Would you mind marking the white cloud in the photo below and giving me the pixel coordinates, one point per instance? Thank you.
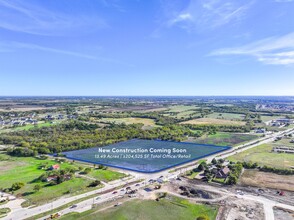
(206, 14)
(274, 50)
(180, 18)
(23, 17)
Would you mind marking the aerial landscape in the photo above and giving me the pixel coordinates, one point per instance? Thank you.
(146, 110)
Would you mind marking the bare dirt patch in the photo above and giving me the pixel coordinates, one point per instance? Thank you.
(267, 180)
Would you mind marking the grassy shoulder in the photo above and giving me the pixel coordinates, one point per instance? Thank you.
(264, 156)
(169, 208)
(4, 212)
(27, 170)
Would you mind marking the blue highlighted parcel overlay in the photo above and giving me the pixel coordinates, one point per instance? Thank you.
(147, 156)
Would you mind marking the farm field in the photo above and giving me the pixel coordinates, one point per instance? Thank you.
(26, 170)
(225, 139)
(172, 209)
(145, 121)
(262, 155)
(213, 121)
(268, 180)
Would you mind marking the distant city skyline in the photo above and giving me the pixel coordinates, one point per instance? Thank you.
(147, 48)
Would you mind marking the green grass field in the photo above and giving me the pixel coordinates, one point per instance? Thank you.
(28, 127)
(262, 155)
(26, 170)
(105, 175)
(173, 208)
(225, 139)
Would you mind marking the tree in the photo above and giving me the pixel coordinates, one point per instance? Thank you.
(16, 186)
(232, 180)
(202, 166)
(95, 183)
(37, 187)
(214, 161)
(87, 170)
(100, 166)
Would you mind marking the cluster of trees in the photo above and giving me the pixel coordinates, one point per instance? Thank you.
(60, 175)
(249, 165)
(79, 135)
(21, 152)
(253, 116)
(236, 170)
(276, 170)
(16, 186)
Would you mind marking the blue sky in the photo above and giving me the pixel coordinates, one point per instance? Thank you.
(152, 47)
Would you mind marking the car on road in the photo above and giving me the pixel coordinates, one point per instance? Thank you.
(98, 198)
(137, 184)
(114, 192)
(73, 206)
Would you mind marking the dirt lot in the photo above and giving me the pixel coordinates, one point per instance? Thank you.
(283, 214)
(267, 180)
(231, 208)
(213, 121)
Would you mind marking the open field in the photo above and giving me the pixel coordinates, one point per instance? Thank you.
(225, 139)
(213, 121)
(105, 175)
(266, 118)
(40, 125)
(181, 108)
(267, 180)
(26, 170)
(145, 121)
(226, 116)
(153, 110)
(172, 209)
(262, 155)
(181, 111)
